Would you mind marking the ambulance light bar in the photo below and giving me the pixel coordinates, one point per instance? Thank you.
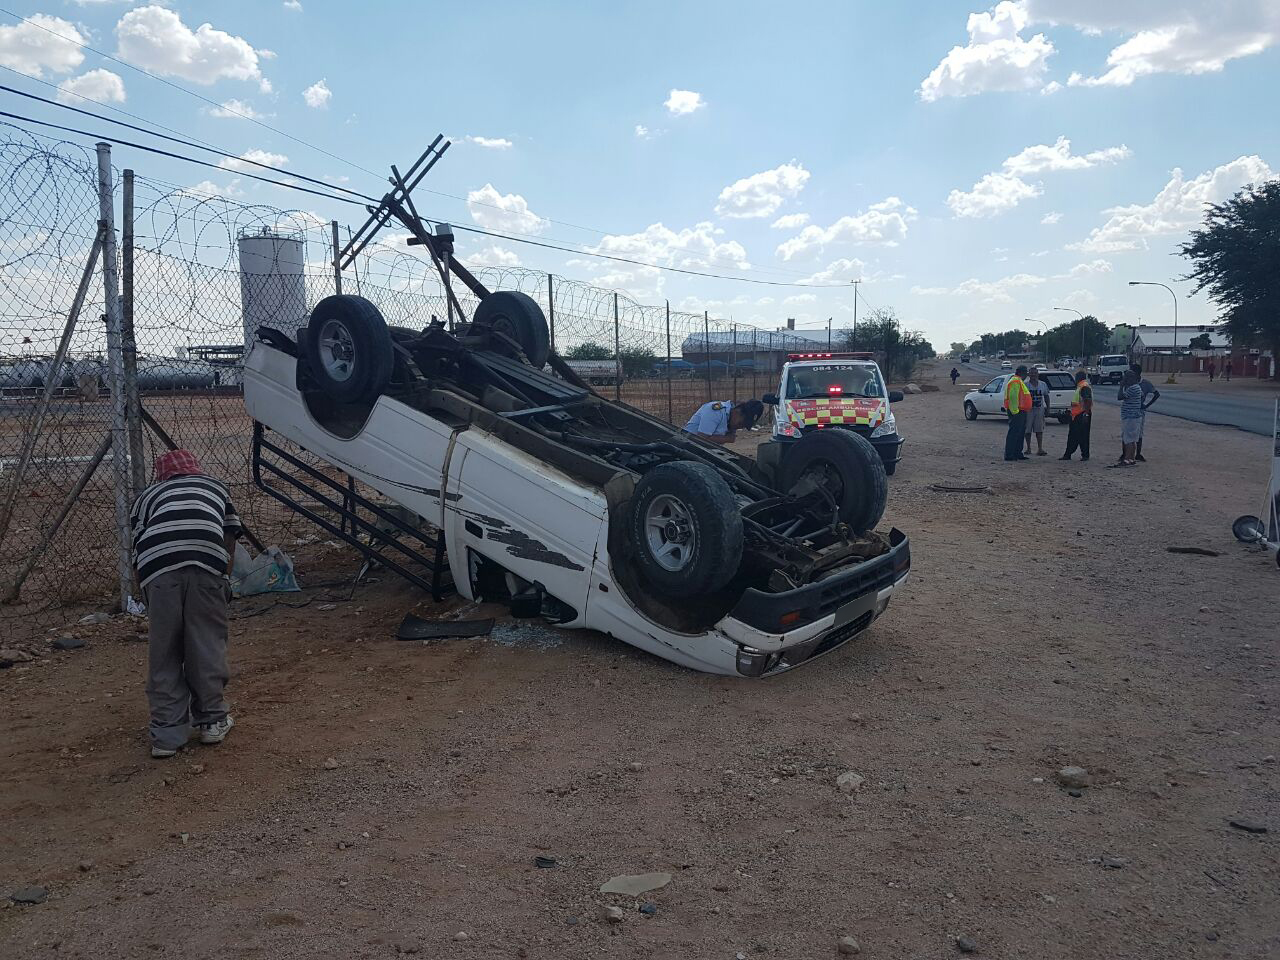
(830, 356)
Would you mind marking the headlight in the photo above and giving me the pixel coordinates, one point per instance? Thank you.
(887, 427)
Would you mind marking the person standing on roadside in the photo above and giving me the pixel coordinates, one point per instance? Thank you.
(1212, 368)
(1226, 371)
(1017, 404)
(1081, 418)
(955, 375)
(1130, 419)
(1035, 416)
(1149, 396)
(184, 534)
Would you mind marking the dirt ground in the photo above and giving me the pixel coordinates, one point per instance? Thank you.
(1045, 624)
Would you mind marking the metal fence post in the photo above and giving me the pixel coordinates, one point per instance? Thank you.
(337, 263)
(755, 359)
(733, 365)
(671, 417)
(115, 371)
(617, 351)
(551, 310)
(706, 349)
(129, 346)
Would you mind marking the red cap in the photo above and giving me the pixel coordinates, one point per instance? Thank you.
(176, 463)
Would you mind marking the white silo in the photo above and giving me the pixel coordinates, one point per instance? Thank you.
(273, 287)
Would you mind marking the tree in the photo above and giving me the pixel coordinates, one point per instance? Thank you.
(1064, 339)
(881, 333)
(1200, 342)
(959, 348)
(636, 360)
(588, 351)
(1234, 257)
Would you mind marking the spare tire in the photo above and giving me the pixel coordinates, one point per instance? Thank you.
(519, 317)
(848, 466)
(348, 349)
(685, 529)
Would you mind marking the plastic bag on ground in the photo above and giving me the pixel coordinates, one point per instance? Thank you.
(271, 571)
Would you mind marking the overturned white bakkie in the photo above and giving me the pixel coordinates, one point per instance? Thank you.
(589, 513)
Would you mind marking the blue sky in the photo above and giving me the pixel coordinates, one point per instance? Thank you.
(974, 165)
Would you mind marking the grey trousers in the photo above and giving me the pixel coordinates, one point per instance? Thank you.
(187, 608)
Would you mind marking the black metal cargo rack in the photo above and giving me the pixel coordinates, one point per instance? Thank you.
(396, 545)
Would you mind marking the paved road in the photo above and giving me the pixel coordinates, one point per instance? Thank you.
(1250, 410)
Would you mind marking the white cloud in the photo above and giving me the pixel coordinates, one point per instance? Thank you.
(990, 291)
(99, 85)
(790, 221)
(156, 39)
(761, 194)
(293, 5)
(799, 298)
(1050, 218)
(643, 132)
(1181, 36)
(255, 156)
(884, 223)
(1178, 207)
(843, 269)
(32, 48)
(492, 256)
(503, 212)
(1052, 87)
(682, 102)
(993, 194)
(997, 192)
(1086, 269)
(997, 57)
(237, 109)
(317, 95)
(207, 188)
(698, 246)
(490, 143)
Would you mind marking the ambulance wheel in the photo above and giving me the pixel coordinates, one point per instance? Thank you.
(685, 529)
(348, 349)
(518, 317)
(847, 466)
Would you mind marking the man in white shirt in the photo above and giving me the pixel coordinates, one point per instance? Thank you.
(719, 420)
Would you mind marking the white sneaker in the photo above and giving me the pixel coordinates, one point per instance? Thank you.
(216, 732)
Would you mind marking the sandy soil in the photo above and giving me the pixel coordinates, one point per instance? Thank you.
(1045, 624)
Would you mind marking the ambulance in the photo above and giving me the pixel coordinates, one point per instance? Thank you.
(843, 391)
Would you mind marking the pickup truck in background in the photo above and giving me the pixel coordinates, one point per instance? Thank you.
(597, 372)
(1110, 368)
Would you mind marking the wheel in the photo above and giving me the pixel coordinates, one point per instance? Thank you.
(970, 411)
(848, 466)
(519, 317)
(348, 349)
(685, 529)
(891, 468)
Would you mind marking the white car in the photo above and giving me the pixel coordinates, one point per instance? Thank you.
(1039, 366)
(988, 400)
(1006, 364)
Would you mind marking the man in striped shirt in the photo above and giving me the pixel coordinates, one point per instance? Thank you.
(184, 534)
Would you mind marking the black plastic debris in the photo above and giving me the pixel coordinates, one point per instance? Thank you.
(415, 628)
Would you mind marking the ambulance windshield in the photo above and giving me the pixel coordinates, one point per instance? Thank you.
(834, 380)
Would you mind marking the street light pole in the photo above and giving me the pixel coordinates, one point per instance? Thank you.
(1173, 374)
(1046, 330)
(1081, 316)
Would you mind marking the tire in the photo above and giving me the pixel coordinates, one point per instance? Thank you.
(685, 529)
(348, 349)
(520, 318)
(853, 474)
(970, 411)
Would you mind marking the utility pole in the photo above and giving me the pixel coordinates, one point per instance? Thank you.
(855, 309)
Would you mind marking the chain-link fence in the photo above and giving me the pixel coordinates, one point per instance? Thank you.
(198, 273)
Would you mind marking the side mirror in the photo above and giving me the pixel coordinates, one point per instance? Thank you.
(771, 399)
(895, 396)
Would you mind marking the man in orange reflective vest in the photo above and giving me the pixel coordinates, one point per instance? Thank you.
(1081, 418)
(1017, 404)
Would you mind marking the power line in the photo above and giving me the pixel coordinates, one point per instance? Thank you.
(178, 86)
(176, 156)
(188, 143)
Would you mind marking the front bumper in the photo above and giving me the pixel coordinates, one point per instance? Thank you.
(778, 631)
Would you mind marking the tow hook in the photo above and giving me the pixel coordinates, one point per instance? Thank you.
(752, 662)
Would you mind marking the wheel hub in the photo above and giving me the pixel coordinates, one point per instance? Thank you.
(337, 350)
(669, 533)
